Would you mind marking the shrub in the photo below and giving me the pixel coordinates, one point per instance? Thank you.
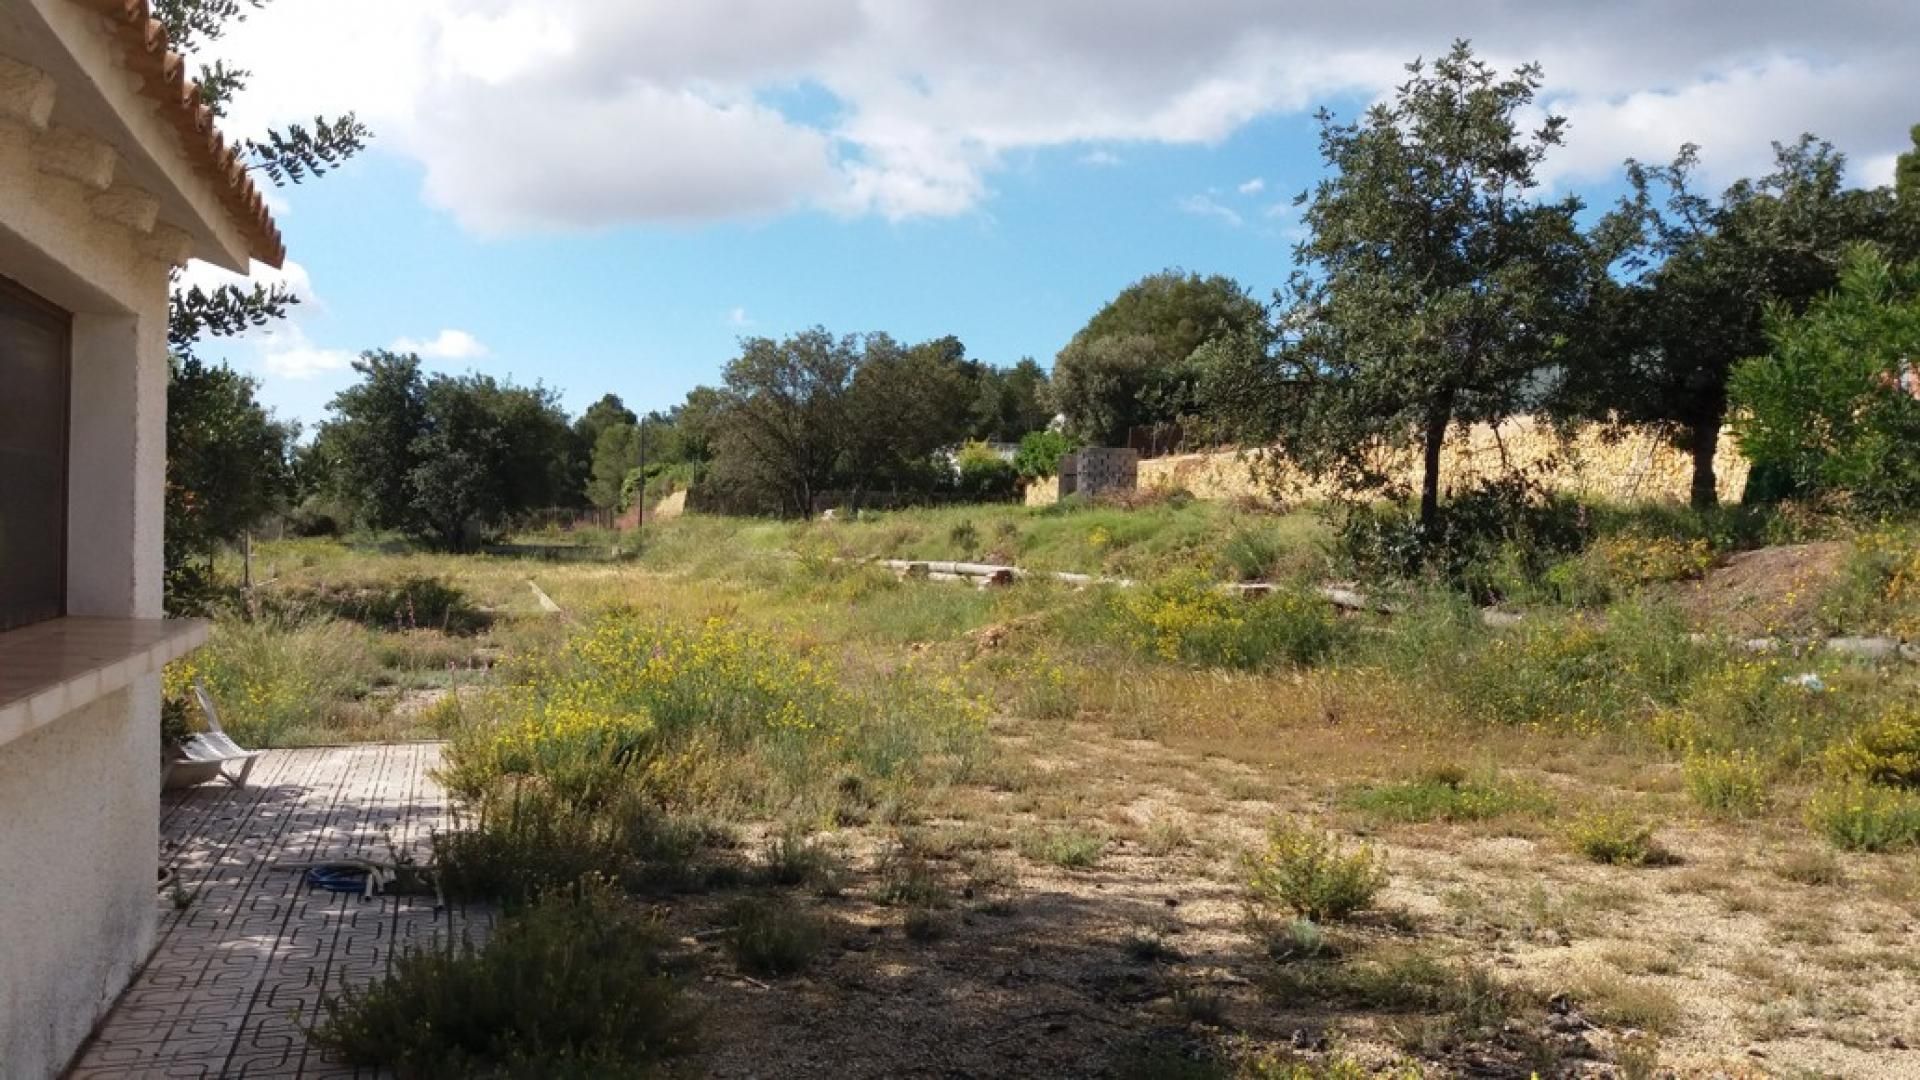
(1859, 816)
(772, 936)
(982, 475)
(1445, 794)
(1734, 784)
(1614, 837)
(411, 602)
(1309, 872)
(1184, 619)
(571, 986)
(1040, 452)
(1508, 520)
(1886, 751)
(1824, 407)
(792, 858)
(1615, 566)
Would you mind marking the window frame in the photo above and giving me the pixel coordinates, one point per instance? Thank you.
(59, 320)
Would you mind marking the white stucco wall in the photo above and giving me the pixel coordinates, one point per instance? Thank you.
(88, 229)
(78, 847)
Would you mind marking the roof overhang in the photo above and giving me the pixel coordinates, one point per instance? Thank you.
(108, 85)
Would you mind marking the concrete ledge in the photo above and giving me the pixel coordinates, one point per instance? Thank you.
(53, 668)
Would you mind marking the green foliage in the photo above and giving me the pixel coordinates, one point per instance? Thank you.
(982, 475)
(570, 987)
(1129, 366)
(228, 467)
(1073, 849)
(1698, 276)
(1734, 784)
(449, 460)
(1308, 872)
(1185, 619)
(1615, 837)
(1885, 751)
(1615, 567)
(1040, 452)
(773, 936)
(1575, 673)
(1858, 816)
(1834, 404)
(1495, 535)
(278, 682)
(1451, 794)
(1434, 286)
(406, 602)
(616, 453)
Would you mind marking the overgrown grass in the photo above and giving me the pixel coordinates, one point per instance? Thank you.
(569, 987)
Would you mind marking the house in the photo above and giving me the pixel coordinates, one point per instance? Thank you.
(111, 176)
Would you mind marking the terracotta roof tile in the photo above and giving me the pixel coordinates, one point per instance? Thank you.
(163, 76)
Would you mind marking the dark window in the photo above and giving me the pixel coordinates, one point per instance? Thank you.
(35, 368)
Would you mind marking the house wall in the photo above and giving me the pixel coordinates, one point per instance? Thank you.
(79, 796)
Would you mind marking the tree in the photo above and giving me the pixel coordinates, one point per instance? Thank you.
(227, 459)
(1906, 174)
(1040, 452)
(615, 454)
(1695, 278)
(903, 405)
(366, 451)
(1834, 405)
(1011, 402)
(228, 467)
(1433, 287)
(1128, 367)
(782, 427)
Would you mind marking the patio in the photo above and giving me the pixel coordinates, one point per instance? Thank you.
(239, 972)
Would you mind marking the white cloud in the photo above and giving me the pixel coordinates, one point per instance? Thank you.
(738, 317)
(1253, 187)
(291, 275)
(446, 345)
(284, 350)
(537, 114)
(1208, 206)
(1104, 159)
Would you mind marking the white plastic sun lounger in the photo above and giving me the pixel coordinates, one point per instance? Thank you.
(207, 754)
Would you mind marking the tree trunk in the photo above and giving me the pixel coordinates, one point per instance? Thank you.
(1433, 439)
(1703, 442)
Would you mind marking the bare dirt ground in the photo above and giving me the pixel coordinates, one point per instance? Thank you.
(1751, 953)
(1769, 591)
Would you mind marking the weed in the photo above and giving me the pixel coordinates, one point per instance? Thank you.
(1294, 939)
(907, 880)
(1811, 867)
(1310, 873)
(571, 986)
(1185, 619)
(773, 936)
(1149, 945)
(1614, 837)
(1732, 784)
(1200, 1004)
(792, 858)
(1071, 849)
(1450, 794)
(1859, 816)
(1886, 751)
(1624, 1001)
(924, 925)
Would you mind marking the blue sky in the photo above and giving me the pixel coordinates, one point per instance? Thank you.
(649, 311)
(603, 196)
